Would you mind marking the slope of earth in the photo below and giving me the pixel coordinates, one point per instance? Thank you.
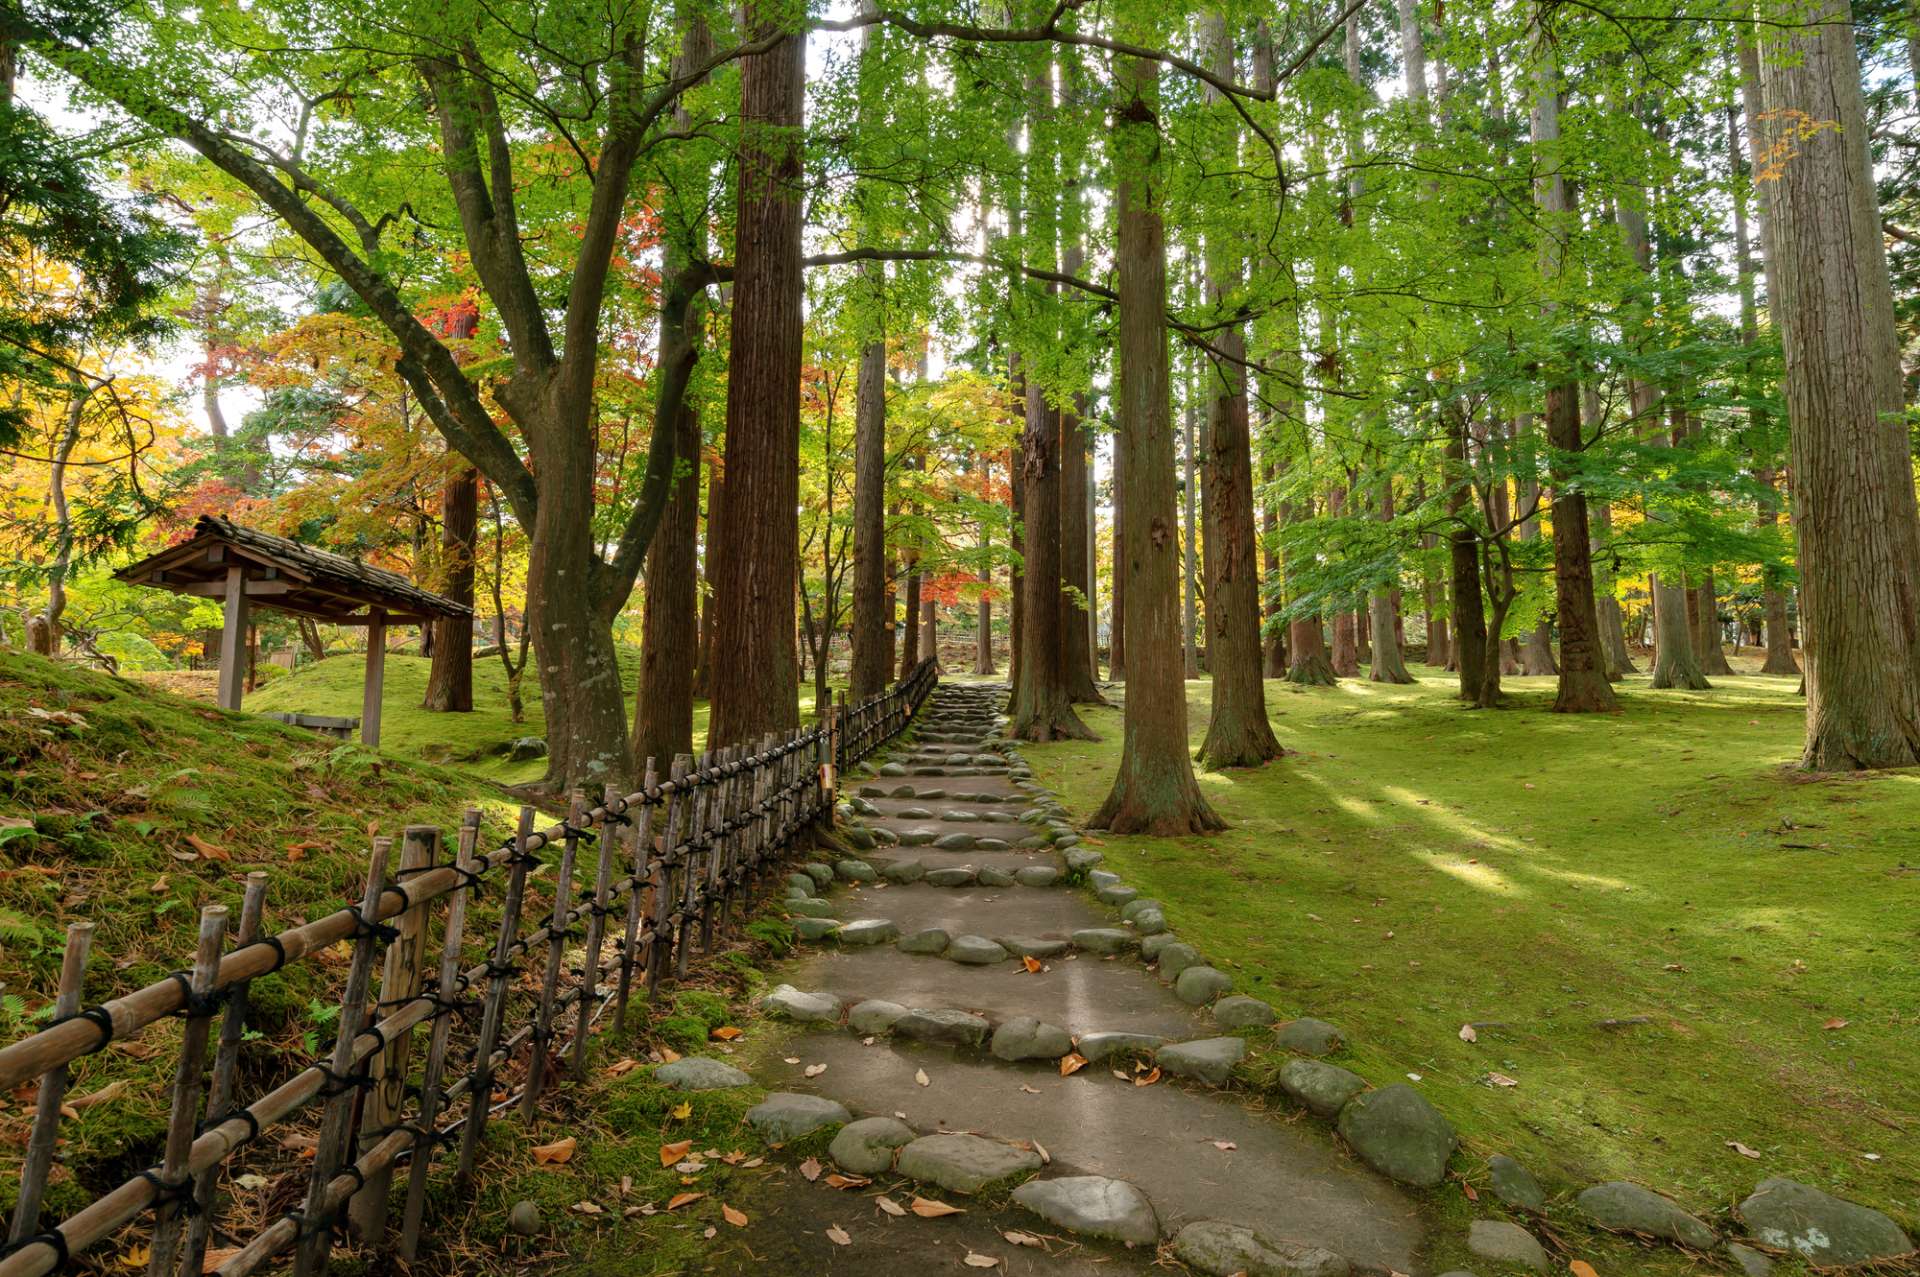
(1684, 963)
(134, 808)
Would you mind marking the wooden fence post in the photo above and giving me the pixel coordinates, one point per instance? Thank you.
(336, 1120)
(690, 878)
(448, 988)
(556, 953)
(480, 1096)
(53, 1090)
(175, 1186)
(637, 901)
(226, 1062)
(663, 896)
(596, 933)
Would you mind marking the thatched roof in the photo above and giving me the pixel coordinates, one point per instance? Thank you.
(286, 575)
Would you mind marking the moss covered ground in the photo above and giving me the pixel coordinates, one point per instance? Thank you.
(1671, 945)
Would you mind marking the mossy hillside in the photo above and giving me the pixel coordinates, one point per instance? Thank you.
(1417, 866)
(103, 784)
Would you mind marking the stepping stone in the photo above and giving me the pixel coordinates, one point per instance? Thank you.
(1500, 1242)
(698, 1073)
(1093, 1206)
(930, 794)
(1175, 958)
(1208, 1060)
(872, 791)
(810, 907)
(917, 837)
(1067, 840)
(892, 769)
(1241, 1012)
(866, 1147)
(954, 1028)
(864, 931)
(975, 951)
(884, 837)
(1751, 1261)
(854, 871)
(804, 1007)
(1028, 947)
(860, 838)
(1082, 858)
(814, 928)
(786, 1116)
(1101, 879)
(1104, 940)
(1322, 1089)
(932, 940)
(875, 1015)
(1220, 1249)
(992, 844)
(1309, 1036)
(914, 813)
(994, 876)
(1034, 843)
(1629, 1208)
(904, 791)
(1095, 1047)
(958, 815)
(952, 876)
(1133, 908)
(1151, 946)
(963, 1163)
(1823, 1229)
(800, 883)
(822, 875)
(1149, 922)
(1025, 1038)
(954, 842)
(903, 871)
(1398, 1133)
(1036, 875)
(1198, 986)
(1513, 1183)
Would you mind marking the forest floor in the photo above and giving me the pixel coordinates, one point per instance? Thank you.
(1687, 964)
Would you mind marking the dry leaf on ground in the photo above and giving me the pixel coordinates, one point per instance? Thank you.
(726, 1033)
(927, 1208)
(890, 1206)
(556, 1153)
(671, 1153)
(976, 1260)
(1072, 1062)
(738, 1218)
(683, 1199)
(838, 1236)
(811, 1169)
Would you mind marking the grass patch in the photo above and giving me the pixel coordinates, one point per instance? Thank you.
(1416, 866)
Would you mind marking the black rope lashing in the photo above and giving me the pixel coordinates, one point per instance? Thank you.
(273, 943)
(167, 1192)
(192, 1003)
(55, 1240)
(232, 1115)
(371, 928)
(99, 1017)
(341, 1083)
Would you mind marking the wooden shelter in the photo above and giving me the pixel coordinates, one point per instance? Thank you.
(244, 567)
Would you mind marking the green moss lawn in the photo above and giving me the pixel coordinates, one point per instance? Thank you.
(1416, 866)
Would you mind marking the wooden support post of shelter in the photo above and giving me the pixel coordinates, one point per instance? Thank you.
(245, 568)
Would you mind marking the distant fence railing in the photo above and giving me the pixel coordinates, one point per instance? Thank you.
(673, 858)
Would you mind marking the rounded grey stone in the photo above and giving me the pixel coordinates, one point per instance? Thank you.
(1138, 905)
(1629, 1208)
(994, 876)
(1821, 1228)
(1398, 1133)
(1220, 1249)
(1093, 1206)
(1067, 840)
(1208, 1060)
(892, 769)
(1309, 1036)
(1752, 1262)
(810, 907)
(875, 1015)
(1241, 1012)
(860, 838)
(864, 931)
(804, 1007)
(1104, 940)
(903, 871)
(788, 1115)
(917, 837)
(1175, 958)
(1028, 947)
(931, 940)
(822, 875)
(975, 951)
(872, 791)
(884, 836)
(958, 814)
(903, 791)
(814, 928)
(954, 1028)
(963, 1163)
(992, 844)
(954, 842)
(1083, 858)
(1025, 1038)
(930, 793)
(952, 876)
(1502, 1242)
(1514, 1184)
(1151, 946)
(1322, 1089)
(914, 813)
(854, 871)
(798, 882)
(1095, 1047)
(1032, 843)
(698, 1073)
(1101, 879)
(866, 1147)
(1197, 986)
(1149, 922)
(1036, 875)
(524, 1218)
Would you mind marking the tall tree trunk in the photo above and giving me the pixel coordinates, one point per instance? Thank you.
(1853, 498)
(1470, 649)
(1190, 545)
(1117, 595)
(872, 624)
(755, 685)
(910, 635)
(1346, 639)
(1708, 645)
(450, 677)
(663, 713)
(1385, 663)
(1154, 791)
(44, 631)
(983, 631)
(1273, 647)
(1076, 478)
(1617, 660)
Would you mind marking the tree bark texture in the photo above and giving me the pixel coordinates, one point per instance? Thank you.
(450, 677)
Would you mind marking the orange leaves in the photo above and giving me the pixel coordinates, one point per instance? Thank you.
(927, 1208)
(725, 1033)
(1071, 1063)
(671, 1154)
(738, 1218)
(683, 1199)
(558, 1153)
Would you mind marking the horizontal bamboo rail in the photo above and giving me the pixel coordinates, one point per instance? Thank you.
(694, 844)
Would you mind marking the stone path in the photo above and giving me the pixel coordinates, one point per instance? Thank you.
(915, 997)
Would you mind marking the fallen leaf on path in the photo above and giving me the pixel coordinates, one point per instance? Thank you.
(838, 1236)
(137, 1257)
(1030, 1090)
(1835, 1023)
(1501, 1079)
(920, 1078)
(811, 1169)
(1472, 1194)
(555, 1154)
(110, 1091)
(671, 1153)
(668, 1055)
(1581, 1268)
(1225, 1146)
(927, 1208)
(683, 1199)
(1032, 965)
(844, 1182)
(683, 1110)
(738, 1218)
(1743, 1150)
(1072, 1062)
(207, 849)
(620, 1068)
(588, 1208)
(976, 1260)
(1147, 1079)
(815, 1070)
(1021, 1239)
(890, 1206)
(726, 1033)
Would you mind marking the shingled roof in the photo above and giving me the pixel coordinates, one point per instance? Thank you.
(314, 582)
